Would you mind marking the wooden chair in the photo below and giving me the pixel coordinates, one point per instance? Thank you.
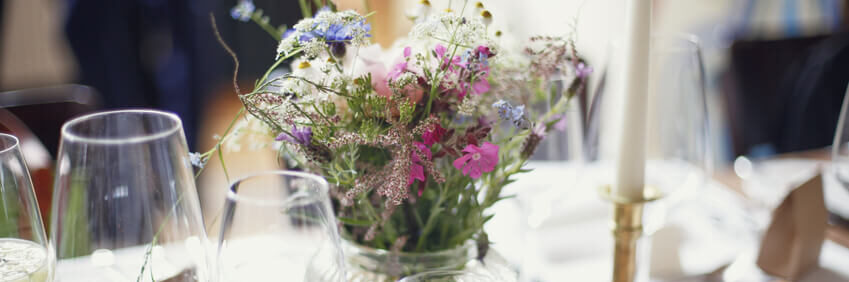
(36, 116)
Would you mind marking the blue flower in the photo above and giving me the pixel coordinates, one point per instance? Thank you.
(243, 11)
(516, 115)
(302, 136)
(288, 33)
(336, 32)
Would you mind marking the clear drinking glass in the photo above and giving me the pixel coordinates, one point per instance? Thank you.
(676, 147)
(837, 199)
(840, 148)
(279, 226)
(23, 245)
(125, 206)
(676, 121)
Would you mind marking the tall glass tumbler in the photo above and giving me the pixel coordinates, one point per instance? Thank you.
(125, 206)
(279, 226)
(23, 245)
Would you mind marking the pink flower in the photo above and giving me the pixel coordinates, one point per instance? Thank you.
(484, 50)
(478, 160)
(413, 92)
(481, 86)
(416, 168)
(433, 136)
(378, 79)
(397, 70)
(440, 53)
(440, 50)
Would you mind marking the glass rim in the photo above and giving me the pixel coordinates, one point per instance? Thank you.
(15, 142)
(74, 137)
(323, 188)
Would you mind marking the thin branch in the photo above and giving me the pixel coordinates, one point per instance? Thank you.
(229, 51)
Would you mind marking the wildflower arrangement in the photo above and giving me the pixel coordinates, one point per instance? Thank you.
(417, 142)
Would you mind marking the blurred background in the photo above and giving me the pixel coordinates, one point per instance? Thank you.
(768, 63)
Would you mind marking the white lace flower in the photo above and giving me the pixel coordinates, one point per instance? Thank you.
(313, 47)
(287, 45)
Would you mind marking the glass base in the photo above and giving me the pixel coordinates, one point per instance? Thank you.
(369, 264)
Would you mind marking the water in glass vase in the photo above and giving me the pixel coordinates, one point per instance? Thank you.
(22, 261)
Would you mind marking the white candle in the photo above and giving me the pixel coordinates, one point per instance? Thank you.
(630, 167)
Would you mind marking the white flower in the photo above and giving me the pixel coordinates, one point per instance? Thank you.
(486, 17)
(420, 12)
(248, 130)
(447, 26)
(304, 25)
(313, 48)
(196, 159)
(287, 45)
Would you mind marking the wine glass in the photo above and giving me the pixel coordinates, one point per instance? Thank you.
(836, 200)
(23, 244)
(279, 226)
(676, 123)
(125, 206)
(677, 162)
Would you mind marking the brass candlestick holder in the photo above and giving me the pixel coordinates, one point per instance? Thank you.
(627, 228)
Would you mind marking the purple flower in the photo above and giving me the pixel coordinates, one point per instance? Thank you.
(582, 70)
(301, 135)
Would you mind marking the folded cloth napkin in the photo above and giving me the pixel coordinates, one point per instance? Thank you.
(792, 243)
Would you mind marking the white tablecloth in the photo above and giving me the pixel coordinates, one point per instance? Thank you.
(565, 234)
(557, 230)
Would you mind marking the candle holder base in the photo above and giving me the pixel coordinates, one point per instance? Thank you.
(627, 228)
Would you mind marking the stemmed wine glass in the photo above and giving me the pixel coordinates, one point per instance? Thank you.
(279, 226)
(23, 244)
(676, 147)
(125, 206)
(677, 131)
(840, 162)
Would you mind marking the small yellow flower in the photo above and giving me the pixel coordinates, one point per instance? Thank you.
(304, 65)
(425, 2)
(479, 5)
(497, 33)
(448, 10)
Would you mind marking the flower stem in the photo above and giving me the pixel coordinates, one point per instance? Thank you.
(267, 27)
(277, 63)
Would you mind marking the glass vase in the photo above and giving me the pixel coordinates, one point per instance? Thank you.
(370, 264)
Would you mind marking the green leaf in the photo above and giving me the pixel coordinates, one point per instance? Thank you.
(354, 222)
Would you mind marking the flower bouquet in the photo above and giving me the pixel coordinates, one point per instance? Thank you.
(418, 141)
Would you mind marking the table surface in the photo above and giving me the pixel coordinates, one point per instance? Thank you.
(701, 235)
(553, 232)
